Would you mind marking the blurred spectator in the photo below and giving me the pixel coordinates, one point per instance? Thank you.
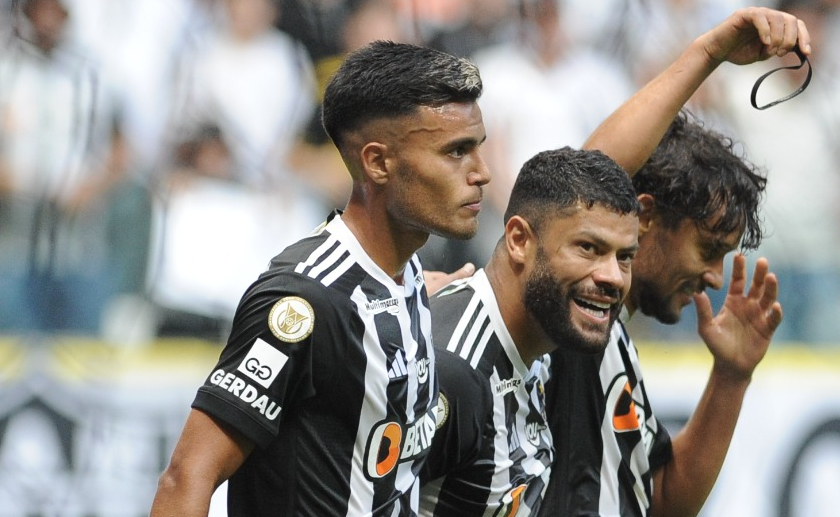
(213, 234)
(796, 142)
(56, 126)
(542, 91)
(315, 160)
(478, 24)
(138, 46)
(253, 81)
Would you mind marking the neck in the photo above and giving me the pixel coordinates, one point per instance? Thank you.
(388, 247)
(509, 288)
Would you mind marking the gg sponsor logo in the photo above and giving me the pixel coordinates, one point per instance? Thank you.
(263, 363)
(388, 445)
(291, 319)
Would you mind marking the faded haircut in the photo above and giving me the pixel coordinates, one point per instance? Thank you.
(696, 173)
(386, 79)
(553, 181)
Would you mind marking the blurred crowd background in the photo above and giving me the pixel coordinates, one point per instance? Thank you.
(155, 154)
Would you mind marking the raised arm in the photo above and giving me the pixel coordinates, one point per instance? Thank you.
(206, 455)
(630, 135)
(738, 337)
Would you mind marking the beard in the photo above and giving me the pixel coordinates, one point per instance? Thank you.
(654, 303)
(549, 302)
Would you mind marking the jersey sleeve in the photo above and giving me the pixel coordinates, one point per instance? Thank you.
(661, 451)
(464, 417)
(286, 329)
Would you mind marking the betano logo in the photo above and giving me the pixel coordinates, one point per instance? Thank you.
(388, 445)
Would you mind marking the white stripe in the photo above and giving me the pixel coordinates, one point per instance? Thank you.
(316, 254)
(481, 343)
(339, 270)
(327, 262)
(462, 324)
(372, 411)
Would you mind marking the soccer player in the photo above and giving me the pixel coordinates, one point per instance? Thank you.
(699, 201)
(323, 399)
(556, 279)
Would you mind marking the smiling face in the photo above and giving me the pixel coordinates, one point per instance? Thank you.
(675, 263)
(580, 275)
(436, 173)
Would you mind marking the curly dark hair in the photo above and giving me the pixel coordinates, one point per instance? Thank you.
(552, 181)
(696, 173)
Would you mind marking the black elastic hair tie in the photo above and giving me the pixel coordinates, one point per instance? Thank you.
(803, 59)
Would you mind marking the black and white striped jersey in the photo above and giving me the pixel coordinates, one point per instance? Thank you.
(329, 369)
(496, 460)
(608, 441)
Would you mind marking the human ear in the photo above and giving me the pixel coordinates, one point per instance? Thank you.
(647, 212)
(520, 239)
(374, 164)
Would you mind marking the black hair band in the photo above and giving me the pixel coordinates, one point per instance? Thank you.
(803, 59)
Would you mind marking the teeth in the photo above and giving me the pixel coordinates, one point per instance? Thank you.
(599, 313)
(600, 305)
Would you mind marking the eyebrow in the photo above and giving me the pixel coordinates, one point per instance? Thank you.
(600, 242)
(466, 141)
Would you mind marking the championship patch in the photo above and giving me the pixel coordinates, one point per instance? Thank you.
(442, 411)
(291, 319)
(263, 363)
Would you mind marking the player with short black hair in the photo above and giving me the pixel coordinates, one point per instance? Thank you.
(556, 279)
(323, 399)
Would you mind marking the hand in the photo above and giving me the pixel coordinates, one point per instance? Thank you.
(755, 34)
(437, 279)
(740, 334)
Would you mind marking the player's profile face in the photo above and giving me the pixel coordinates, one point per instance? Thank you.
(675, 264)
(580, 276)
(436, 172)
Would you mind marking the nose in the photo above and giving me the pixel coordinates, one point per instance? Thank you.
(714, 278)
(481, 175)
(609, 273)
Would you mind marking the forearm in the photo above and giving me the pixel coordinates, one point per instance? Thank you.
(632, 132)
(181, 496)
(683, 484)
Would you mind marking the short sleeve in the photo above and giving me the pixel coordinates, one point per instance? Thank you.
(286, 328)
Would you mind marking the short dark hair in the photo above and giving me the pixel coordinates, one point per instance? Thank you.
(553, 181)
(696, 173)
(388, 79)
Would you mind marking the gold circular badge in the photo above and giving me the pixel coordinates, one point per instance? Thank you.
(291, 319)
(442, 411)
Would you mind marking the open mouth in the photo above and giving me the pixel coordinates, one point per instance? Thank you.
(596, 309)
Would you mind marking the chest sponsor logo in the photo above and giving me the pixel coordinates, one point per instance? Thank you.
(390, 305)
(291, 319)
(423, 370)
(246, 393)
(506, 386)
(532, 432)
(511, 501)
(625, 414)
(389, 444)
(263, 363)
